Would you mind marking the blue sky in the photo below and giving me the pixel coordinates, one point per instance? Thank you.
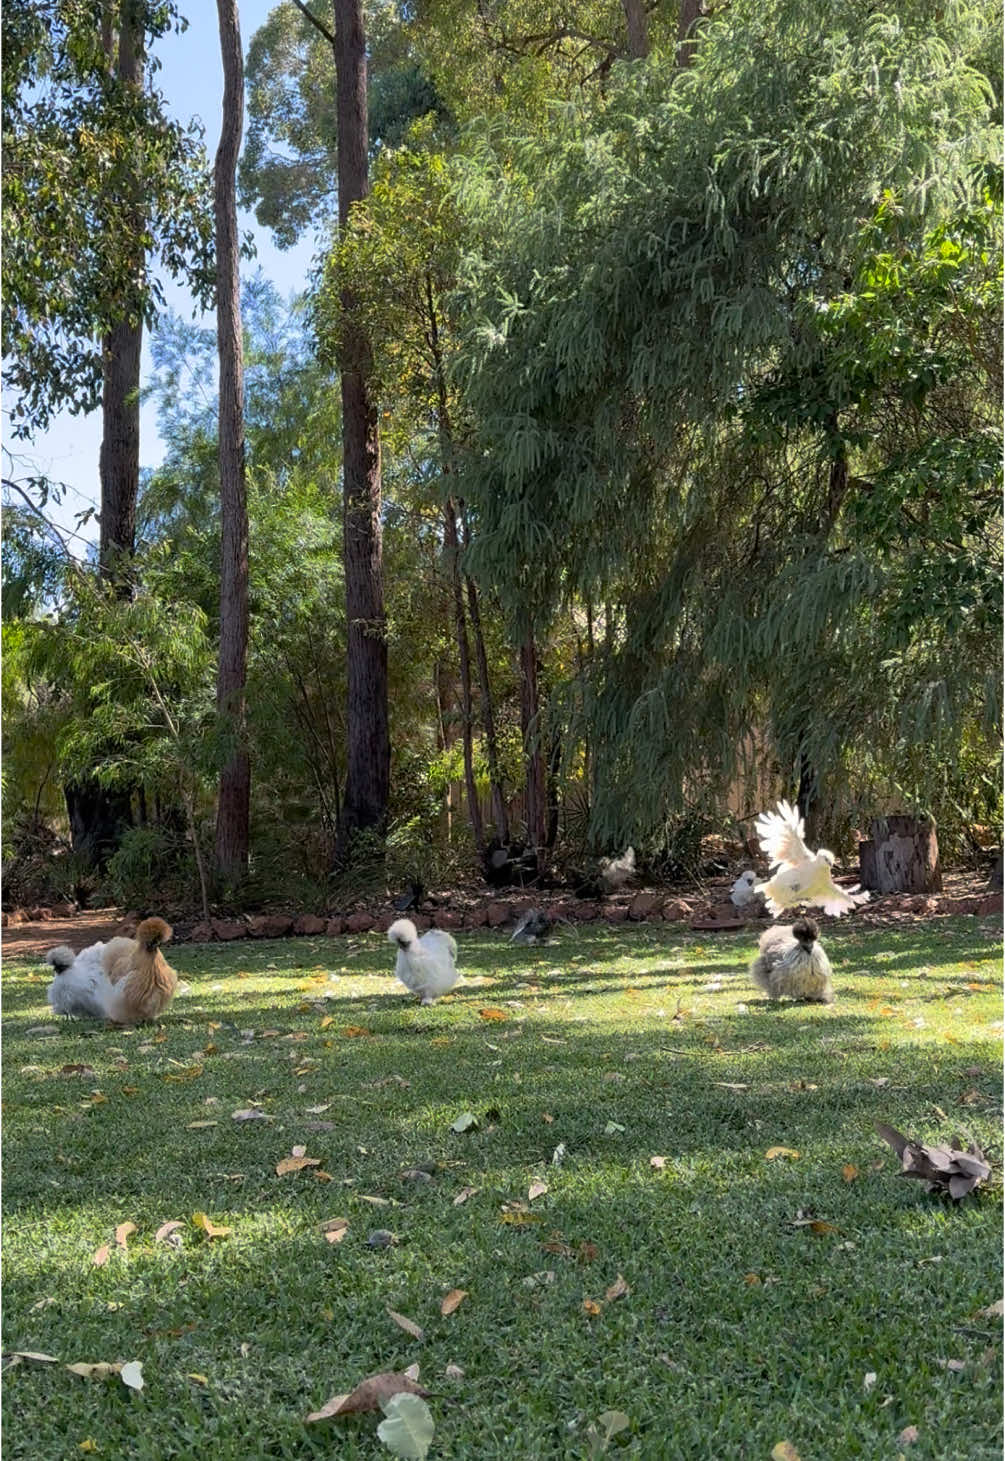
(191, 80)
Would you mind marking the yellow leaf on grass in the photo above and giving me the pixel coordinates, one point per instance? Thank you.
(199, 1379)
(328, 1020)
(493, 1014)
(784, 1451)
(98, 1371)
(849, 1171)
(296, 1164)
(200, 1125)
(101, 1255)
(752, 1279)
(354, 1032)
(88, 1445)
(123, 1232)
(190, 1073)
(781, 1151)
(335, 1229)
(211, 1229)
(591, 1307)
(451, 1301)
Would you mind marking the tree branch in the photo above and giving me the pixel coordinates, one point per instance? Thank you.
(318, 25)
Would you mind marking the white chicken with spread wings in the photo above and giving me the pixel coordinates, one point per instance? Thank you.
(424, 965)
(798, 875)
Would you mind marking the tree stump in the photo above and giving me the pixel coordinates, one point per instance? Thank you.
(903, 856)
(995, 877)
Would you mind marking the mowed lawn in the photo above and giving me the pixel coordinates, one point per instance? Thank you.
(739, 1325)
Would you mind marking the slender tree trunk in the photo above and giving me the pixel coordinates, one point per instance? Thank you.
(691, 12)
(119, 463)
(500, 813)
(234, 799)
(533, 757)
(368, 769)
(635, 19)
(452, 545)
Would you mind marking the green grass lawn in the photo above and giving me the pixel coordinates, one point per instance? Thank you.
(738, 1330)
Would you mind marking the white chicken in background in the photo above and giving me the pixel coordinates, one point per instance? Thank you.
(424, 965)
(615, 872)
(743, 894)
(798, 875)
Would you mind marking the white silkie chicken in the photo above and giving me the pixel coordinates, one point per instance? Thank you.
(616, 872)
(126, 980)
(424, 965)
(743, 894)
(799, 875)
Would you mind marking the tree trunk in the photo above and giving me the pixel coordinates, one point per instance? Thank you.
(500, 815)
(234, 800)
(368, 752)
(119, 462)
(464, 666)
(535, 795)
(903, 856)
(635, 19)
(691, 12)
(98, 816)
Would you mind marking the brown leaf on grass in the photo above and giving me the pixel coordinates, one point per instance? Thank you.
(993, 1311)
(536, 1189)
(849, 1171)
(752, 1280)
(165, 1230)
(464, 1194)
(784, 1451)
(519, 1219)
(296, 1164)
(101, 1255)
(908, 1435)
(99, 1371)
(780, 1151)
(617, 1290)
(190, 1073)
(335, 1229)
(658, 1163)
(587, 1252)
(946, 1169)
(200, 1125)
(30, 1354)
(591, 1307)
(356, 1032)
(211, 1229)
(451, 1301)
(123, 1232)
(77, 1069)
(547, 1118)
(368, 1395)
(493, 1014)
(409, 1325)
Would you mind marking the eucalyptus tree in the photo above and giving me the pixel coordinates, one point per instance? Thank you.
(657, 264)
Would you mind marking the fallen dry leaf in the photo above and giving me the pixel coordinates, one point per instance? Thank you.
(493, 1014)
(409, 1325)
(251, 1114)
(658, 1163)
(200, 1125)
(908, 1435)
(335, 1229)
(591, 1307)
(770, 1155)
(547, 1118)
(369, 1394)
(131, 1374)
(100, 1371)
(617, 1290)
(123, 1232)
(536, 1189)
(165, 1230)
(849, 1171)
(454, 1372)
(356, 1032)
(77, 1069)
(31, 1354)
(993, 1311)
(784, 1451)
(752, 1280)
(296, 1164)
(464, 1194)
(197, 1378)
(450, 1302)
(211, 1229)
(101, 1255)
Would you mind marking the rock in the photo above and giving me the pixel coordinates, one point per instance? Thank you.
(335, 925)
(421, 922)
(643, 906)
(202, 933)
(256, 925)
(309, 923)
(990, 904)
(477, 916)
(228, 929)
(496, 914)
(959, 905)
(676, 910)
(63, 910)
(584, 912)
(358, 923)
(616, 913)
(276, 925)
(447, 918)
(383, 921)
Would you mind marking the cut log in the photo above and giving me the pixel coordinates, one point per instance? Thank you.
(903, 856)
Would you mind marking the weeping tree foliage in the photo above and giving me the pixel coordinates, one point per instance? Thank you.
(677, 415)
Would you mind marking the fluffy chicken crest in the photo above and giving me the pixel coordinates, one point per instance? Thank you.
(799, 875)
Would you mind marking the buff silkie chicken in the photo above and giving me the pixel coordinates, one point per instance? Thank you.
(799, 876)
(424, 965)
